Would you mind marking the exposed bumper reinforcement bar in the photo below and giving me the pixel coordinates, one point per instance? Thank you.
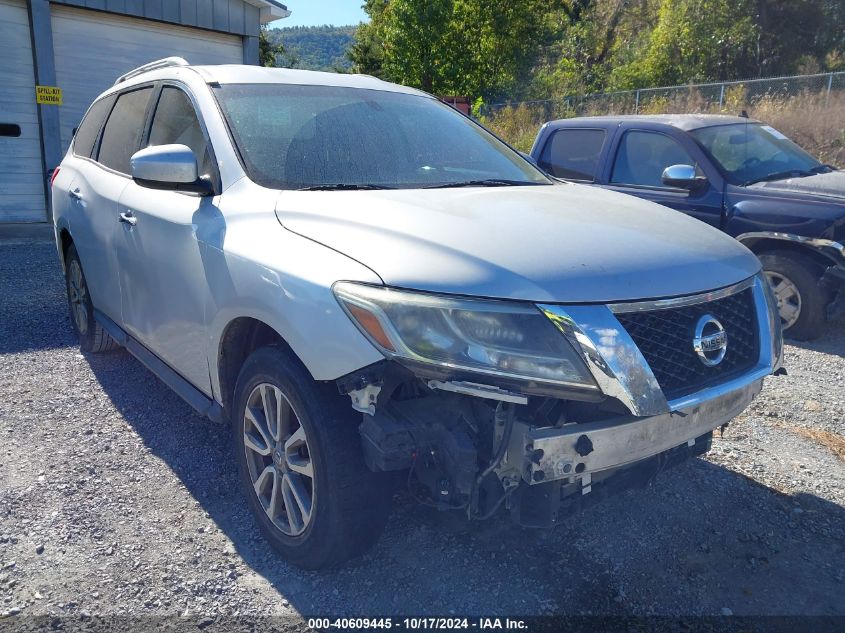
(581, 449)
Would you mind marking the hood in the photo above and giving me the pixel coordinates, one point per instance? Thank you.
(831, 185)
(558, 243)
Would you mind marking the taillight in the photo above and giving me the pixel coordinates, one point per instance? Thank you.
(53, 176)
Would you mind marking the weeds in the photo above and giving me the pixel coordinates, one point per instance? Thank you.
(814, 120)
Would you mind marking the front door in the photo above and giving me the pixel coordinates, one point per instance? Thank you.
(638, 166)
(161, 263)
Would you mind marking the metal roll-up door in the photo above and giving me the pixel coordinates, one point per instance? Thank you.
(93, 48)
(22, 179)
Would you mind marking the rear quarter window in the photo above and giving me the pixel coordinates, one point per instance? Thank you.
(573, 153)
(89, 130)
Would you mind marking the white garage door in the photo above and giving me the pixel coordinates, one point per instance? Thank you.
(21, 172)
(92, 49)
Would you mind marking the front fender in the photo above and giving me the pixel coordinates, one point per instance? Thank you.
(283, 280)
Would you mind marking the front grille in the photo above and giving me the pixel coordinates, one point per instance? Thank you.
(665, 338)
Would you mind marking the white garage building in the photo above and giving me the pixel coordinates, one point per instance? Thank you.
(81, 47)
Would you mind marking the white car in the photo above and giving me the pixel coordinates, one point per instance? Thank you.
(364, 282)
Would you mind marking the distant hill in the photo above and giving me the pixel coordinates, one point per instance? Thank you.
(315, 47)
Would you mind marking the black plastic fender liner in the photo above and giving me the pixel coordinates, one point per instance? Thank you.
(833, 280)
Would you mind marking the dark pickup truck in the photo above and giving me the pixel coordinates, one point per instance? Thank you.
(735, 173)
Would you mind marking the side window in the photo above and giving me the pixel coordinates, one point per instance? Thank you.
(122, 134)
(643, 156)
(175, 121)
(86, 135)
(573, 154)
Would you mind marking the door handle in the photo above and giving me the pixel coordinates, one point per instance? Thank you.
(129, 218)
(76, 194)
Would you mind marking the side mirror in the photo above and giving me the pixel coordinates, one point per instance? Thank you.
(169, 167)
(682, 177)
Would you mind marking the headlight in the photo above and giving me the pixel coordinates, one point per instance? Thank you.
(499, 338)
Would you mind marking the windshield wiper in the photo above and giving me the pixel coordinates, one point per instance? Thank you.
(489, 182)
(823, 169)
(781, 175)
(343, 187)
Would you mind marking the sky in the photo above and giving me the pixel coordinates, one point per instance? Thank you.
(319, 12)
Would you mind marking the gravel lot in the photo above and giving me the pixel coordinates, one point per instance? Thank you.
(116, 499)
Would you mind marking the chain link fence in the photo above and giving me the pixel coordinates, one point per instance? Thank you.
(810, 109)
(708, 97)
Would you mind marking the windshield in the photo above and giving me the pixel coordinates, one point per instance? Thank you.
(323, 137)
(751, 152)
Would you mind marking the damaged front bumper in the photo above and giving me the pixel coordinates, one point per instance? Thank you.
(580, 450)
(468, 444)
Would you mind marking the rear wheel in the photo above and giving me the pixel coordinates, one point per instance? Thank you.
(92, 336)
(801, 301)
(301, 464)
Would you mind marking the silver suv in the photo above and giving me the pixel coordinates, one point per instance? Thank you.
(374, 291)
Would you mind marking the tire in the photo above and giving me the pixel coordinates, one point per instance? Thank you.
(92, 337)
(349, 503)
(795, 280)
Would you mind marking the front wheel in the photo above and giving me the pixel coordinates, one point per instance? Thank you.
(801, 300)
(301, 464)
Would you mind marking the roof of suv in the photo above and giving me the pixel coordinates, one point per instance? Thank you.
(681, 121)
(242, 74)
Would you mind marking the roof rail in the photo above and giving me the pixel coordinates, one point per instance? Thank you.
(167, 62)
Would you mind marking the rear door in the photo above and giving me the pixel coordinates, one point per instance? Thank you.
(95, 191)
(637, 166)
(160, 261)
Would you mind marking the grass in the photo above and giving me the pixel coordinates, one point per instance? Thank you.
(518, 125)
(814, 120)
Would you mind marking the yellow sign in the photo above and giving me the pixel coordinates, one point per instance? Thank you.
(48, 95)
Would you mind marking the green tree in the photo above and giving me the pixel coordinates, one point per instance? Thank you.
(416, 45)
(367, 50)
(493, 45)
(589, 38)
(268, 49)
(694, 41)
(467, 47)
(797, 35)
(538, 49)
(315, 47)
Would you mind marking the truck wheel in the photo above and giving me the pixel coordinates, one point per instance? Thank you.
(302, 466)
(801, 302)
(92, 336)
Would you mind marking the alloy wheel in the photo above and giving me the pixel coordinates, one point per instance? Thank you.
(78, 293)
(278, 459)
(788, 298)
